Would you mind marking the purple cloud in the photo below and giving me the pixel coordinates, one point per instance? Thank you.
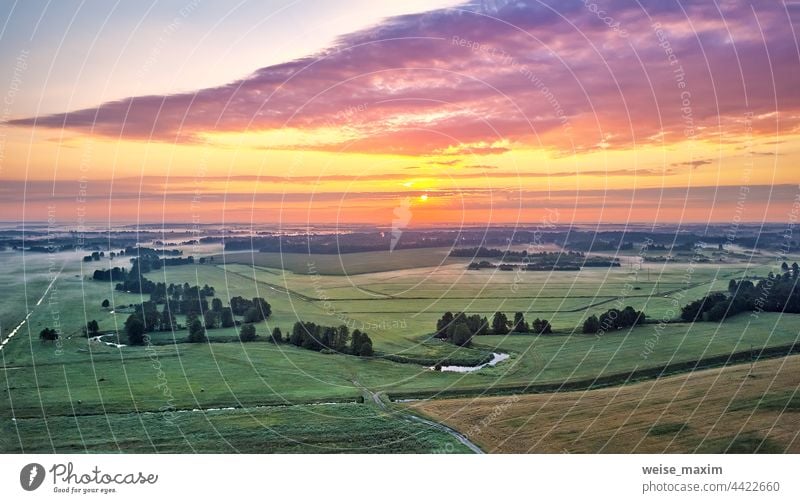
(478, 81)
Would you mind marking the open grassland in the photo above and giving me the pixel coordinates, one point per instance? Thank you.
(325, 428)
(91, 389)
(731, 409)
(347, 264)
(42, 379)
(407, 302)
(565, 358)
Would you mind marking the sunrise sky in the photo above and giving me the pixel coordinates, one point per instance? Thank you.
(322, 112)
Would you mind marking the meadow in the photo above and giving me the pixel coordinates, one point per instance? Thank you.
(88, 390)
(324, 428)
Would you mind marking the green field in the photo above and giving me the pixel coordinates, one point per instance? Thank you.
(348, 264)
(327, 428)
(88, 389)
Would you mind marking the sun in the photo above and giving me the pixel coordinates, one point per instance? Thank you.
(423, 197)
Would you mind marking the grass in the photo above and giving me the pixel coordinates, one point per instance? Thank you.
(538, 360)
(671, 429)
(749, 443)
(340, 265)
(395, 298)
(682, 413)
(779, 401)
(327, 428)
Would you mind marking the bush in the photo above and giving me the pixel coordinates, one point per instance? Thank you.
(48, 334)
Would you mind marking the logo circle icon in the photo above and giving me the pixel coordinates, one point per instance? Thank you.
(31, 476)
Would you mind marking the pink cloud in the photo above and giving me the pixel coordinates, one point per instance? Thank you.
(548, 74)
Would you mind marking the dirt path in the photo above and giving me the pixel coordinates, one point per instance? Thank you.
(375, 398)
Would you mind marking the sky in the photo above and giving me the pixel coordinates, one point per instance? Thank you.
(436, 112)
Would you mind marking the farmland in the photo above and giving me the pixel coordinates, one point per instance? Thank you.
(736, 409)
(220, 395)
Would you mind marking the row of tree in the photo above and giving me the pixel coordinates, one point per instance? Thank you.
(148, 318)
(613, 319)
(315, 337)
(134, 281)
(460, 328)
(777, 293)
(304, 334)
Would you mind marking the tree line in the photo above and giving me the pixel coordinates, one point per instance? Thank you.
(460, 328)
(315, 337)
(613, 319)
(148, 318)
(776, 293)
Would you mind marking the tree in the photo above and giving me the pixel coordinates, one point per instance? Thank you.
(191, 317)
(328, 337)
(361, 344)
(239, 305)
(148, 312)
(591, 325)
(263, 307)
(197, 333)
(134, 330)
(312, 335)
(216, 305)
(48, 334)
(296, 337)
(694, 311)
(499, 324)
(483, 325)
(520, 325)
(92, 328)
(542, 326)
(168, 322)
(628, 317)
(357, 340)
(718, 312)
(461, 335)
(443, 324)
(366, 347)
(105, 303)
(226, 318)
(732, 286)
(247, 333)
(342, 339)
(784, 267)
(210, 319)
(252, 315)
(277, 336)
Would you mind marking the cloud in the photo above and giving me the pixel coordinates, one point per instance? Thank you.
(693, 164)
(460, 82)
(451, 162)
